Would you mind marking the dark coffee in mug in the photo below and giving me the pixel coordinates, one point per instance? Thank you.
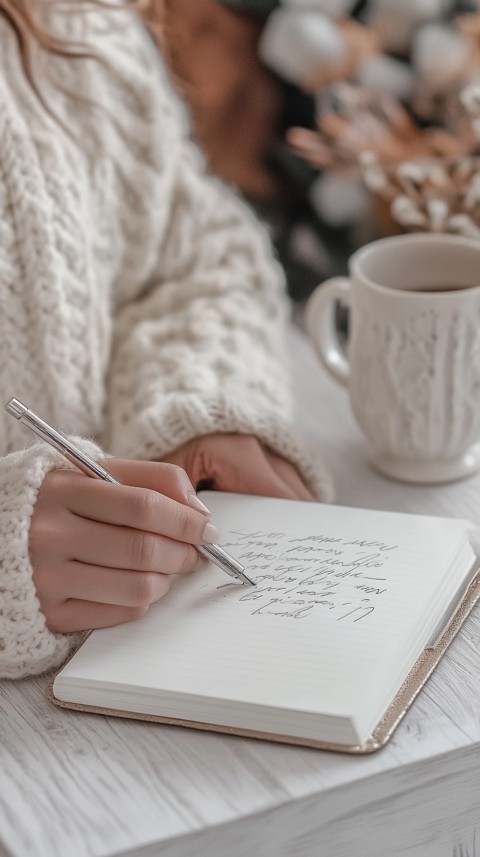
(436, 289)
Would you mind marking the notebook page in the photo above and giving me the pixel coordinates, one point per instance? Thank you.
(340, 593)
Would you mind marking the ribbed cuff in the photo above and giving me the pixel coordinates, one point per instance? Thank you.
(27, 646)
(156, 431)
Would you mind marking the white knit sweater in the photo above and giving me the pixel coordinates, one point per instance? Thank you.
(139, 302)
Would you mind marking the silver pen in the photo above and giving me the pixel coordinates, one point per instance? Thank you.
(28, 418)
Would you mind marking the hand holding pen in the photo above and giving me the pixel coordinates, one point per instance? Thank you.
(104, 549)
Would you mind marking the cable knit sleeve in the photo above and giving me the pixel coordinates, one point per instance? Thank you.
(27, 646)
(203, 350)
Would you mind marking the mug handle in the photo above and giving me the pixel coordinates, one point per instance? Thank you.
(320, 324)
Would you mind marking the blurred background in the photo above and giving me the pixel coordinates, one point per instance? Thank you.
(339, 120)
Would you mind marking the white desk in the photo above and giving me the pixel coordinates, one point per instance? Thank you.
(73, 785)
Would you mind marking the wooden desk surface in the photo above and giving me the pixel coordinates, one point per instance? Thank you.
(77, 785)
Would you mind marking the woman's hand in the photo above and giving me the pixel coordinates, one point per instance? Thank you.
(239, 463)
(102, 553)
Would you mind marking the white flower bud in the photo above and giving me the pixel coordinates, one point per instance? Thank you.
(406, 212)
(463, 225)
(416, 173)
(437, 211)
(294, 43)
(472, 195)
(470, 98)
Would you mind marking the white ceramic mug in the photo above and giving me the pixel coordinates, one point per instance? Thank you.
(412, 360)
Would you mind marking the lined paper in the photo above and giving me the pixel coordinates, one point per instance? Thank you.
(345, 599)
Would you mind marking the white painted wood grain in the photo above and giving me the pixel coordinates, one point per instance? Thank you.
(77, 785)
(380, 827)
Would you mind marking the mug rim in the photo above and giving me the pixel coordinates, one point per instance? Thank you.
(415, 238)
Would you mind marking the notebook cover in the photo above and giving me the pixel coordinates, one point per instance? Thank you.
(411, 687)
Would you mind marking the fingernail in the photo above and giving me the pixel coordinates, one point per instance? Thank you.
(197, 504)
(210, 534)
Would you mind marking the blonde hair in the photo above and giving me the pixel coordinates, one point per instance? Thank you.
(30, 31)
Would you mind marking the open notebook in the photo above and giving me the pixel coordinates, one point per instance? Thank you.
(351, 612)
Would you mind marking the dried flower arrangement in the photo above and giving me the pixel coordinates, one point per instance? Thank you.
(429, 177)
(382, 76)
(428, 174)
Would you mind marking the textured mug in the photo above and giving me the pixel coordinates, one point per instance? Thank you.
(412, 359)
